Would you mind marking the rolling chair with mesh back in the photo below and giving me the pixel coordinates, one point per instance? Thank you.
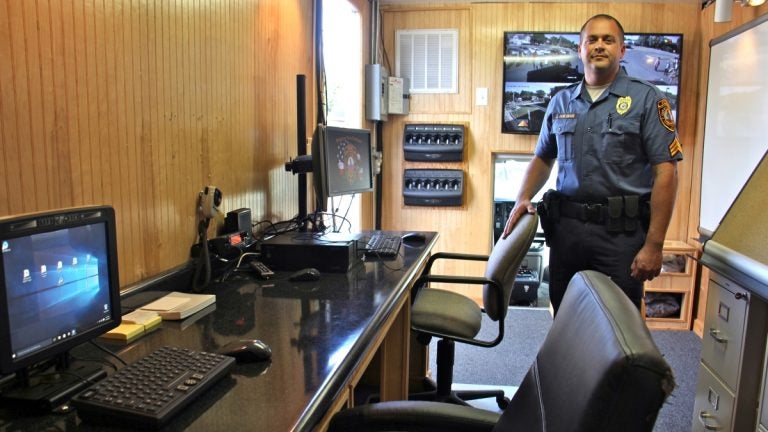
(597, 370)
(453, 317)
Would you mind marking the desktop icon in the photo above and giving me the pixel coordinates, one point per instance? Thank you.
(26, 277)
(6, 247)
(43, 270)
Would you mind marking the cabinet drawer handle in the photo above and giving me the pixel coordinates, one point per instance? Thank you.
(716, 336)
(704, 418)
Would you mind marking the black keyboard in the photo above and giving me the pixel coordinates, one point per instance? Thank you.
(383, 245)
(153, 389)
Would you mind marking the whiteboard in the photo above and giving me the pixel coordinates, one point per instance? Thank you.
(736, 127)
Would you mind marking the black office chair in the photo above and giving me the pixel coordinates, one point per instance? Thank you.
(456, 318)
(597, 370)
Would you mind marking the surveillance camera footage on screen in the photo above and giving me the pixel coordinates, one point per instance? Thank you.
(537, 65)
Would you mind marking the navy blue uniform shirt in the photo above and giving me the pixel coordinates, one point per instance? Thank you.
(607, 147)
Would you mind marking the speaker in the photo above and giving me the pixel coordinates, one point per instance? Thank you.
(723, 10)
(238, 221)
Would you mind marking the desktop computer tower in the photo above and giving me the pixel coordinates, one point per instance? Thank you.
(294, 251)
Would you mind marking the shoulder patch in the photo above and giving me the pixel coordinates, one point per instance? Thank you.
(665, 115)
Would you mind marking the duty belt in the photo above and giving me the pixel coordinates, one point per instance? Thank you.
(617, 213)
(585, 212)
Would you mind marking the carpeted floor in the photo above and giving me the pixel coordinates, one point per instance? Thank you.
(526, 328)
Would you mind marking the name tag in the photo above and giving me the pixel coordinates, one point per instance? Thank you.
(565, 116)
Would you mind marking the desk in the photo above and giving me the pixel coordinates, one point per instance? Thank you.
(327, 338)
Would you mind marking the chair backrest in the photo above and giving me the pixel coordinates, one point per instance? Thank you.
(597, 370)
(504, 262)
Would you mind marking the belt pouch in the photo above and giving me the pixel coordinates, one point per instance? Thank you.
(631, 208)
(615, 206)
(553, 199)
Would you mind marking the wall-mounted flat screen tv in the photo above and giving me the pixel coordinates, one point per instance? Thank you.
(539, 64)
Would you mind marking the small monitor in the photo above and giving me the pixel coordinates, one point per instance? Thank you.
(342, 162)
(59, 285)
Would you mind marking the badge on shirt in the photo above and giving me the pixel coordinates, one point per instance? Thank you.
(623, 104)
(665, 115)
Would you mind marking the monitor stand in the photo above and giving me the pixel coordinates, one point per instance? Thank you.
(48, 389)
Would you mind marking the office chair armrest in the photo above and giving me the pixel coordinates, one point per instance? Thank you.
(454, 256)
(425, 278)
(495, 289)
(456, 279)
(414, 416)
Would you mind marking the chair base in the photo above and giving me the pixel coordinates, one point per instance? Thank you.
(458, 397)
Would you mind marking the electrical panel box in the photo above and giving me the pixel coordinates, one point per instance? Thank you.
(433, 187)
(433, 142)
(399, 98)
(376, 91)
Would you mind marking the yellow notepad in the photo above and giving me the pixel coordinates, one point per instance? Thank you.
(124, 332)
(149, 319)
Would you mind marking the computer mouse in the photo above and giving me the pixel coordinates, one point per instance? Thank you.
(414, 238)
(305, 274)
(246, 350)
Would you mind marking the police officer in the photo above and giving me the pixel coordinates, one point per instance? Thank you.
(614, 139)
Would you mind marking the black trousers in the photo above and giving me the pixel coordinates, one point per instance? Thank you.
(576, 245)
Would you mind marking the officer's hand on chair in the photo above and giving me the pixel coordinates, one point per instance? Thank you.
(521, 207)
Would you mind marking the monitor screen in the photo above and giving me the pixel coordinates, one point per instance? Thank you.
(342, 163)
(347, 163)
(539, 64)
(58, 283)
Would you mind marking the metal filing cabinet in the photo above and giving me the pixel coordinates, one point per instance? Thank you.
(762, 425)
(732, 353)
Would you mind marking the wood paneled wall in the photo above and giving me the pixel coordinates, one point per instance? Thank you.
(481, 26)
(139, 104)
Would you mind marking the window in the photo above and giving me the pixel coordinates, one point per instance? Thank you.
(508, 172)
(343, 52)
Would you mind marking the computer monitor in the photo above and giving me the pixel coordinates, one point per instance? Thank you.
(59, 288)
(342, 162)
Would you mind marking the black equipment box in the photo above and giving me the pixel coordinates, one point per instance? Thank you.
(526, 289)
(294, 251)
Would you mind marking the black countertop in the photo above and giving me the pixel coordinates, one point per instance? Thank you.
(318, 332)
